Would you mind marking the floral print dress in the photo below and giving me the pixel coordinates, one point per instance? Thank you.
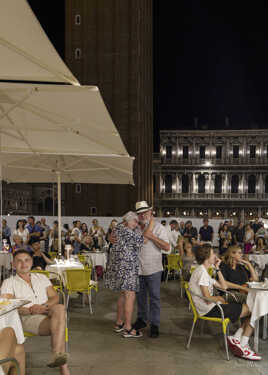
(123, 268)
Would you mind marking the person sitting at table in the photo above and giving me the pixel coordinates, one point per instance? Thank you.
(40, 259)
(237, 272)
(43, 316)
(248, 239)
(224, 247)
(9, 348)
(18, 244)
(86, 244)
(188, 259)
(201, 284)
(97, 233)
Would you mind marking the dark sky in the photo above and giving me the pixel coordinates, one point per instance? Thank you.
(210, 61)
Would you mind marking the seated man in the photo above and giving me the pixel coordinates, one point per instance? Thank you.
(44, 315)
(9, 347)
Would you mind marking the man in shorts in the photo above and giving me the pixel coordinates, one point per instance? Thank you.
(44, 315)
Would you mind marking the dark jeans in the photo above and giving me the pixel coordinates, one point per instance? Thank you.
(149, 288)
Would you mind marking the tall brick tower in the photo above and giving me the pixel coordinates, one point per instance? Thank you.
(109, 44)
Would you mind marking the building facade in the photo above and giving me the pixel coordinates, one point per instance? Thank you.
(109, 44)
(221, 173)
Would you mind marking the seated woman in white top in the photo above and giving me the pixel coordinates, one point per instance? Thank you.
(202, 284)
(10, 348)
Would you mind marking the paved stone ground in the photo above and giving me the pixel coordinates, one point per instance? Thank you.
(96, 350)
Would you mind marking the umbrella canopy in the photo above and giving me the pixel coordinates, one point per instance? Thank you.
(62, 133)
(59, 120)
(25, 50)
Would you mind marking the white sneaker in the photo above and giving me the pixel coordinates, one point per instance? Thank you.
(248, 353)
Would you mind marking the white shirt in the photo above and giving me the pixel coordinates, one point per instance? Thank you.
(23, 235)
(21, 289)
(150, 256)
(173, 237)
(200, 277)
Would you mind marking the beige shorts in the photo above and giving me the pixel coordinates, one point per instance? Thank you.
(31, 323)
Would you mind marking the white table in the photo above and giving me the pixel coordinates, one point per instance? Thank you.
(9, 317)
(257, 301)
(260, 259)
(96, 258)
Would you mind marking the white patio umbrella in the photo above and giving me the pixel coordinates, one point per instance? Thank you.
(25, 50)
(62, 133)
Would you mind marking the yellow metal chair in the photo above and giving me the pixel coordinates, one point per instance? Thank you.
(172, 265)
(56, 282)
(223, 321)
(79, 281)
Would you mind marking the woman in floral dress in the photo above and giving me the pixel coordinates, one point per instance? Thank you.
(123, 271)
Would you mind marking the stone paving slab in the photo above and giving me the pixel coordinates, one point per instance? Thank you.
(96, 350)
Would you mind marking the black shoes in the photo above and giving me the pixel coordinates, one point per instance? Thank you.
(154, 331)
(139, 324)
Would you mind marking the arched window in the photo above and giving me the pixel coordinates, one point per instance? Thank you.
(234, 184)
(168, 183)
(201, 183)
(266, 184)
(218, 184)
(185, 184)
(252, 184)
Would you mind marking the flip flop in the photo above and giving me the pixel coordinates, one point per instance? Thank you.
(127, 333)
(119, 328)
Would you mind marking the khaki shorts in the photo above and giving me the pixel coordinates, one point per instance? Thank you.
(31, 323)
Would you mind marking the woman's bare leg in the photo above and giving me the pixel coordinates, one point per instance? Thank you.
(120, 309)
(129, 306)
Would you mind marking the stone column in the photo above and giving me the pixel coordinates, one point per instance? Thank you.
(179, 183)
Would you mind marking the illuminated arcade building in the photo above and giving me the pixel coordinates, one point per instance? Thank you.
(220, 173)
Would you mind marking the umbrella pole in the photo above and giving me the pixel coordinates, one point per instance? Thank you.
(59, 212)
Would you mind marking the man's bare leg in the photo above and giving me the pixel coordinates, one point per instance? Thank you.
(54, 325)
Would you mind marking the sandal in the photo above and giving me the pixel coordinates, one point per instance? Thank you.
(127, 333)
(119, 328)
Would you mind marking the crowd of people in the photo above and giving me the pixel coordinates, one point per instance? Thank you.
(137, 250)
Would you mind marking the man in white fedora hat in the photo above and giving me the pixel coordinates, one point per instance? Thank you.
(150, 269)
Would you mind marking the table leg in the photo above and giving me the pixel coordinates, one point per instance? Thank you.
(256, 336)
(264, 331)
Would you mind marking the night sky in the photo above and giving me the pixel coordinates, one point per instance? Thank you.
(210, 61)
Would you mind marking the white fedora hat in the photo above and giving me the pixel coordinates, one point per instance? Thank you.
(142, 207)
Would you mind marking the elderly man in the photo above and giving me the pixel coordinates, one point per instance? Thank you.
(44, 315)
(150, 269)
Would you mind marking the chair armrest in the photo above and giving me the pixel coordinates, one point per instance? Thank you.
(13, 360)
(227, 292)
(208, 300)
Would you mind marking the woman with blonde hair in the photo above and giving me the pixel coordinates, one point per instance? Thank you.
(237, 271)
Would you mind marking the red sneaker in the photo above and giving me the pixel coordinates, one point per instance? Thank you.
(248, 353)
(234, 345)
